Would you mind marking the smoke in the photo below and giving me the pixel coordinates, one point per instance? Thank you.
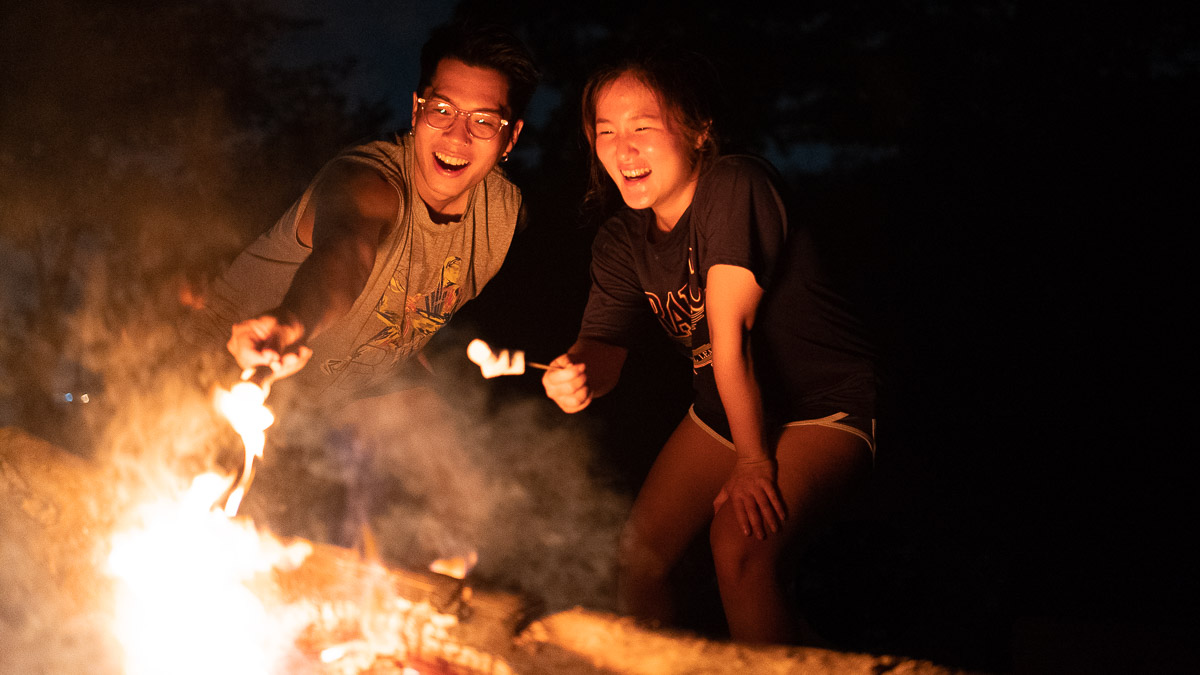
(146, 426)
(447, 469)
(513, 484)
(41, 630)
(122, 173)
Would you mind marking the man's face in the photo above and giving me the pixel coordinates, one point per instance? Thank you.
(449, 162)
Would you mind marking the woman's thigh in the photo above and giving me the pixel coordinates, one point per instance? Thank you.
(819, 468)
(675, 501)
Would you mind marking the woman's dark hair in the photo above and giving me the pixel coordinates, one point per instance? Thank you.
(681, 81)
(483, 46)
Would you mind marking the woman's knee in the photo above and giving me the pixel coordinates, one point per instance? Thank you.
(736, 555)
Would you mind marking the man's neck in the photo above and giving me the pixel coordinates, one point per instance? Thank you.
(442, 217)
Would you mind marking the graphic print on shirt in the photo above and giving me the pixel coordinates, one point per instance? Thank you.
(407, 329)
(680, 312)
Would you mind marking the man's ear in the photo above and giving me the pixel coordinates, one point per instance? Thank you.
(516, 131)
(416, 106)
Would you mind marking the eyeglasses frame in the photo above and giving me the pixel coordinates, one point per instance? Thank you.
(467, 113)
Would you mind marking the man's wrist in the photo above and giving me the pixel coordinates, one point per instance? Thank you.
(290, 321)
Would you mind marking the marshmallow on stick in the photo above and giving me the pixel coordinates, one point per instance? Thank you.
(493, 364)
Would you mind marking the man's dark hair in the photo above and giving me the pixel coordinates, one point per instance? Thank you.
(483, 46)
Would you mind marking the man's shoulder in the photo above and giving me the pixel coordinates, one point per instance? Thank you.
(387, 149)
(500, 197)
(498, 180)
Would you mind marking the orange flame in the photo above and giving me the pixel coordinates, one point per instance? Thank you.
(182, 603)
(243, 405)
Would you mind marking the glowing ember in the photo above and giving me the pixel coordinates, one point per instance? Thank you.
(457, 567)
(182, 603)
(243, 405)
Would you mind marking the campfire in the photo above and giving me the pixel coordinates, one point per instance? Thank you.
(182, 583)
(191, 575)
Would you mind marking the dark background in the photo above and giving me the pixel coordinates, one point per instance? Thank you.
(1004, 187)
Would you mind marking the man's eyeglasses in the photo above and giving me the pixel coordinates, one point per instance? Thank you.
(481, 125)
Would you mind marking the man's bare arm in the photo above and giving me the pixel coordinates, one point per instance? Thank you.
(350, 211)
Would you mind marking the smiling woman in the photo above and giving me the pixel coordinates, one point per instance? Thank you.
(781, 429)
(650, 164)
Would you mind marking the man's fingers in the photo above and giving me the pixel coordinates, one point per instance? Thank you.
(264, 341)
(291, 362)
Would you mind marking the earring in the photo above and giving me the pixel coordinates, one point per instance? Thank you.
(504, 158)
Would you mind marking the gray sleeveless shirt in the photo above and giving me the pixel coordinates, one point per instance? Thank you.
(423, 273)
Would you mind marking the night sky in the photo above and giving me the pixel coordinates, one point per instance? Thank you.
(1020, 252)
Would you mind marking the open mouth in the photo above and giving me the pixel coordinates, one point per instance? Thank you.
(632, 175)
(449, 163)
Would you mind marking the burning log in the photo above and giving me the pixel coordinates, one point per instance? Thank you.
(60, 503)
(385, 617)
(606, 643)
(361, 617)
(421, 615)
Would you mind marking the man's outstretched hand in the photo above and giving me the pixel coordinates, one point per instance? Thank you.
(271, 340)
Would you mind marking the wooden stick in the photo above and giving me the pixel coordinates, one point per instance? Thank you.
(539, 366)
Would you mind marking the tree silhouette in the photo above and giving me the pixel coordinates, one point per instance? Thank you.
(142, 143)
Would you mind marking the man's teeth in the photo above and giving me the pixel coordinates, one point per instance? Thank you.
(452, 161)
(635, 173)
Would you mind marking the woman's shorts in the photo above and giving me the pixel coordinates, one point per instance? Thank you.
(863, 427)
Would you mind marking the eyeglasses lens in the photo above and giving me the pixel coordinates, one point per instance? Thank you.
(481, 125)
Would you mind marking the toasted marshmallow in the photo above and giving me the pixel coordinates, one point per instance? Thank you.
(492, 364)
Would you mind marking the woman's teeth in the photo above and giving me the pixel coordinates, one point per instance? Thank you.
(634, 174)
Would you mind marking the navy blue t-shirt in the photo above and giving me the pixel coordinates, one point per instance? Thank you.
(810, 359)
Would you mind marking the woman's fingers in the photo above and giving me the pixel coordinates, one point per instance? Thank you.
(566, 384)
(750, 519)
(759, 510)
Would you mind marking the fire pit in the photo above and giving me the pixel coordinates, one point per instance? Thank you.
(348, 614)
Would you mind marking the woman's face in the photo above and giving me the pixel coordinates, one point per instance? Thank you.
(650, 164)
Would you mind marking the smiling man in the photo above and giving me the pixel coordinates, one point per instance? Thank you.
(391, 237)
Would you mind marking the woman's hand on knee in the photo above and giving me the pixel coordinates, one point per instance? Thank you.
(752, 493)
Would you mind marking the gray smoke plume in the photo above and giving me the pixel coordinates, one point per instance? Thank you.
(448, 469)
